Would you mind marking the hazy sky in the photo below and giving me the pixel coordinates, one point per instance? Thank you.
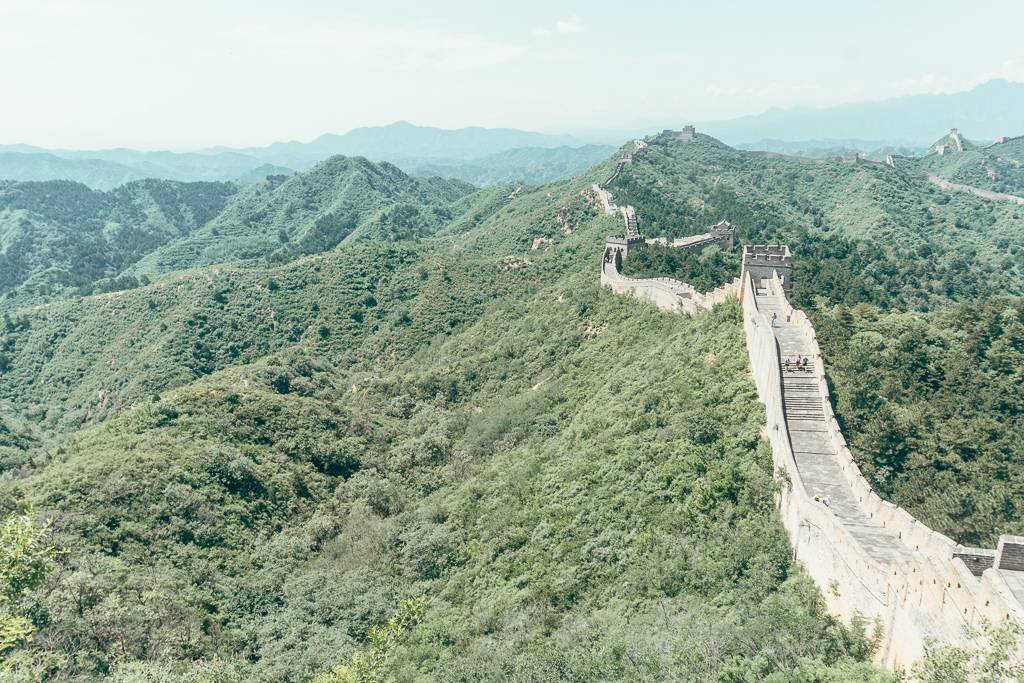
(184, 74)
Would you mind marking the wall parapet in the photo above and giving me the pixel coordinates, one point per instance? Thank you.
(976, 191)
(939, 588)
(666, 293)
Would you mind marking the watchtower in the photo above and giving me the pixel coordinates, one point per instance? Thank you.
(687, 133)
(724, 233)
(622, 244)
(762, 261)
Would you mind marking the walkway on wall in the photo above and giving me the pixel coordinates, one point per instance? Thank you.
(977, 191)
(816, 456)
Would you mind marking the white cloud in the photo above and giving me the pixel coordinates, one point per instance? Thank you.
(1012, 70)
(565, 26)
(51, 9)
(379, 46)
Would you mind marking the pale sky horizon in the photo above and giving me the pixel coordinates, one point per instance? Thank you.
(90, 74)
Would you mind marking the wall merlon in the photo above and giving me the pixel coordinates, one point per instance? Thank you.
(977, 560)
(1010, 553)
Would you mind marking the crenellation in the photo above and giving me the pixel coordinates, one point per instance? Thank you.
(1010, 553)
(977, 560)
(764, 261)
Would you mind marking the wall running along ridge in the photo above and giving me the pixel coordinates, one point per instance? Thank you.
(869, 558)
(977, 191)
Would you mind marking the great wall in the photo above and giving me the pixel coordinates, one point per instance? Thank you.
(870, 558)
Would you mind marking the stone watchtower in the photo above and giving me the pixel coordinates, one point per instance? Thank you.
(687, 133)
(762, 261)
(623, 244)
(724, 233)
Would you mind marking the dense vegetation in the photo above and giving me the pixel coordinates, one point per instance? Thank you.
(267, 516)
(860, 232)
(901, 383)
(60, 238)
(359, 424)
(529, 164)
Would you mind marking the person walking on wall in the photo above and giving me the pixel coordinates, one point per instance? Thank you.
(774, 318)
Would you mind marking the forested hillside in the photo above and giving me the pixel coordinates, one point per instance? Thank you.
(861, 232)
(357, 413)
(341, 198)
(249, 467)
(60, 239)
(907, 288)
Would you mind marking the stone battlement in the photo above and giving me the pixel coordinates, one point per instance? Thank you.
(623, 244)
(869, 557)
(764, 261)
(767, 253)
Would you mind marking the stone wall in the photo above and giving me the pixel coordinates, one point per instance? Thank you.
(762, 262)
(977, 191)
(934, 593)
(722, 234)
(664, 292)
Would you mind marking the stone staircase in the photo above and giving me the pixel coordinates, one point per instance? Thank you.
(869, 558)
(632, 223)
(816, 456)
(800, 396)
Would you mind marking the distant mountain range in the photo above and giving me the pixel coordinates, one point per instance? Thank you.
(992, 109)
(487, 156)
(404, 141)
(482, 156)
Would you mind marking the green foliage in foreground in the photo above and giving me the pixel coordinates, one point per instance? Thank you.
(25, 559)
(994, 659)
(370, 664)
(933, 408)
(564, 517)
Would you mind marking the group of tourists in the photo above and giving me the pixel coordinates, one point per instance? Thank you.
(794, 362)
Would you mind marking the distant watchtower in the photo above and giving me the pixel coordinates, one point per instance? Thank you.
(724, 233)
(762, 261)
(687, 133)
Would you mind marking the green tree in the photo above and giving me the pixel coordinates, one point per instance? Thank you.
(995, 659)
(369, 664)
(25, 555)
